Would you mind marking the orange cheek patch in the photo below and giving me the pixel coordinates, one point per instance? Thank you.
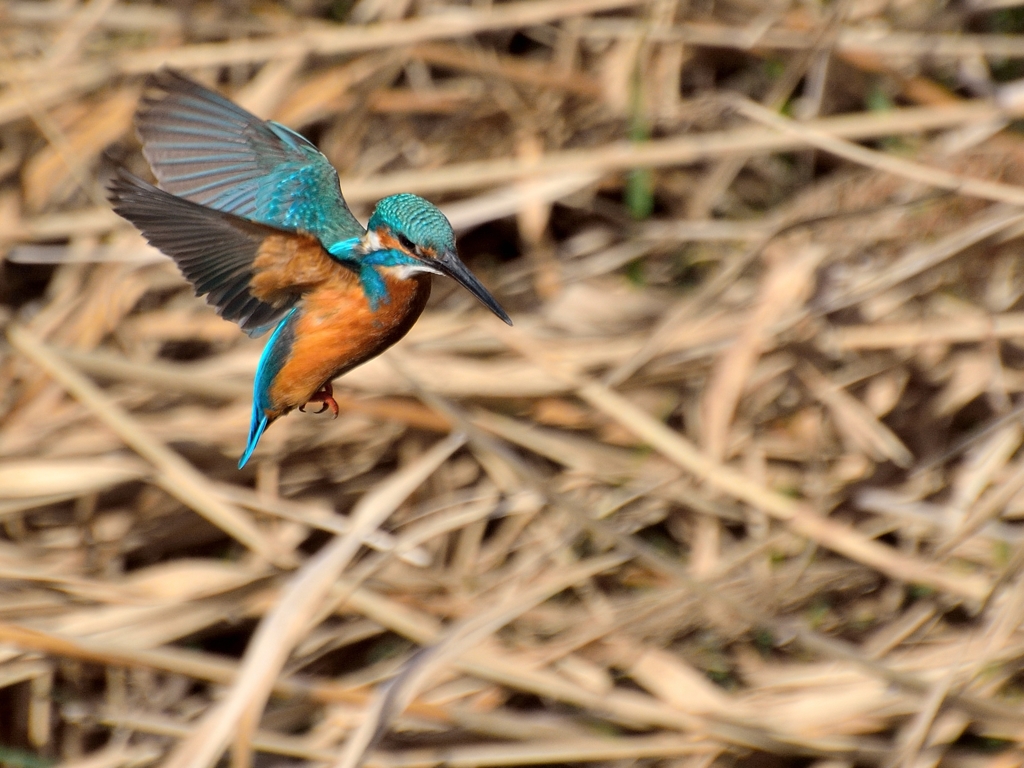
(389, 241)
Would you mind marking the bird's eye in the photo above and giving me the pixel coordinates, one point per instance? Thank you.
(407, 243)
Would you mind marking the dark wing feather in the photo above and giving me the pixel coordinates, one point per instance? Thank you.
(206, 149)
(215, 251)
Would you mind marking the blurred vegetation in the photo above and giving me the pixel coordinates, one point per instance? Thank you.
(744, 485)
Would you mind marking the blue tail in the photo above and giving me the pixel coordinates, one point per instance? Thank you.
(274, 355)
(259, 423)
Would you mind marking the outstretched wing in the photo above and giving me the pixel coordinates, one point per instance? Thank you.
(252, 273)
(210, 151)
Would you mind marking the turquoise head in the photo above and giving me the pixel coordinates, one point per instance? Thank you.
(416, 229)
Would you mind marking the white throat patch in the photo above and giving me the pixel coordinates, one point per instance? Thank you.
(405, 271)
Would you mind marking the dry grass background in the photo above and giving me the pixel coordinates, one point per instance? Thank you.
(743, 486)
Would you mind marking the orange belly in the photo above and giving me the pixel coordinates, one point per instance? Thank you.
(337, 330)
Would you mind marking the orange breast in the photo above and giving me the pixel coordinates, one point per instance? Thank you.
(337, 330)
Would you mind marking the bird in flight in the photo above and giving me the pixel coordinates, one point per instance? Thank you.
(253, 215)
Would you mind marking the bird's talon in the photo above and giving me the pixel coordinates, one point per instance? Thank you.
(325, 396)
(330, 402)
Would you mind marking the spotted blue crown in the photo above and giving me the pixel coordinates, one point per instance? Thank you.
(417, 220)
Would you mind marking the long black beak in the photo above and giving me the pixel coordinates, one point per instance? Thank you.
(451, 265)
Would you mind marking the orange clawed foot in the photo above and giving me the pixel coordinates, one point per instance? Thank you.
(323, 395)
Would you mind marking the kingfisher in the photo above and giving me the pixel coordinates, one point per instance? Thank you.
(253, 215)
